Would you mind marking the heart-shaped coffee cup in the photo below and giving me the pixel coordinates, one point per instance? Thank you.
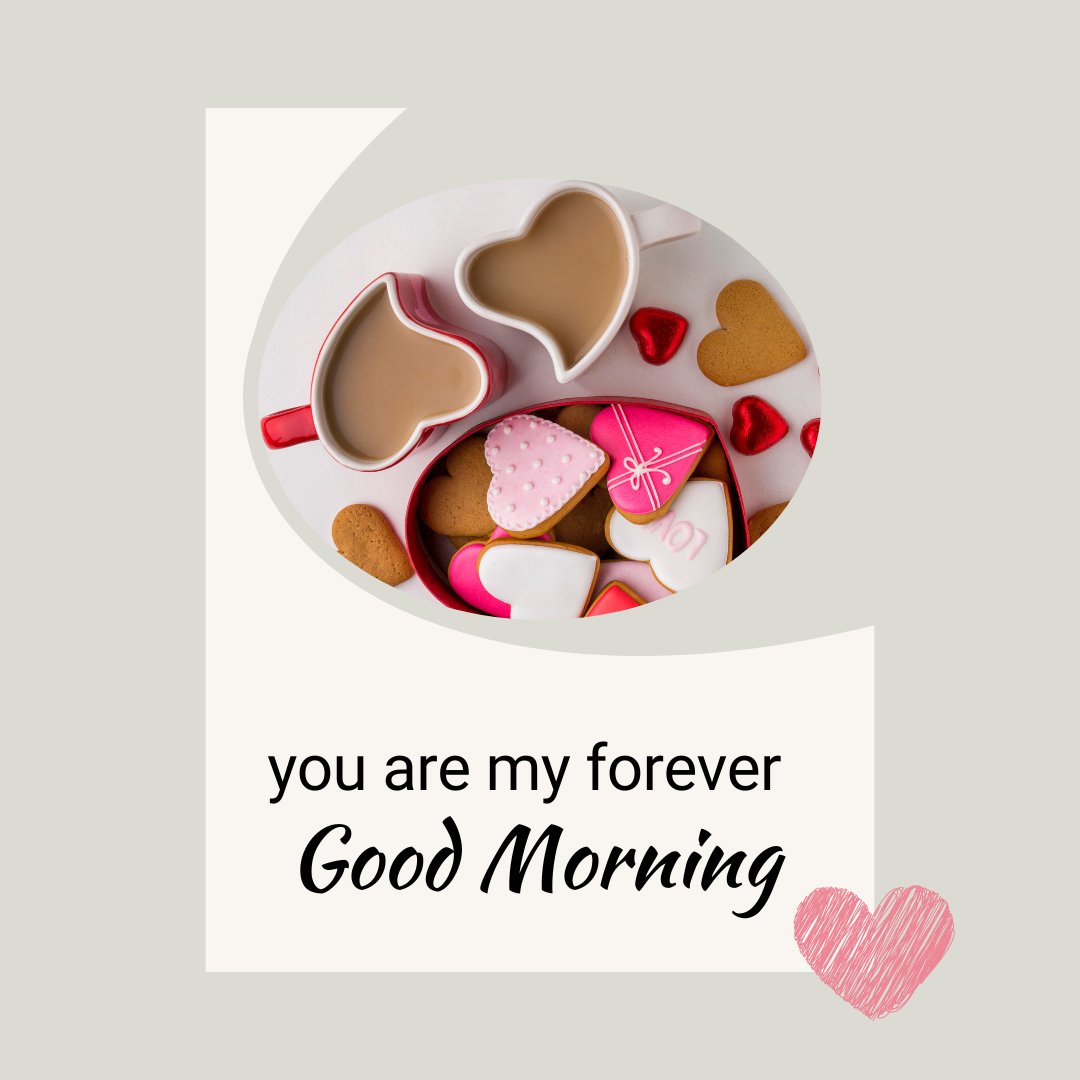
(390, 370)
(568, 273)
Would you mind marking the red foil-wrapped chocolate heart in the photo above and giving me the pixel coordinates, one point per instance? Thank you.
(755, 425)
(809, 436)
(658, 333)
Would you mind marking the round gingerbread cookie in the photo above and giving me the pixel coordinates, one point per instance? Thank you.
(364, 536)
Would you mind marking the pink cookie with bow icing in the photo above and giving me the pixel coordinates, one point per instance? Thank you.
(653, 453)
(539, 473)
(465, 577)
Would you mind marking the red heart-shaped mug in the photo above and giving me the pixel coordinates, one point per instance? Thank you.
(390, 370)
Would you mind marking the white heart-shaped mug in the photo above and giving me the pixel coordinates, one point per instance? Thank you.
(641, 229)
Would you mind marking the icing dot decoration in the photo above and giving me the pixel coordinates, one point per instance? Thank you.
(522, 508)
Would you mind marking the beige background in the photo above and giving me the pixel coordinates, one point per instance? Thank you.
(908, 173)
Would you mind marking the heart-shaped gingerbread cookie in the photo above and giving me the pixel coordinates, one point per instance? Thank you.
(756, 338)
(456, 504)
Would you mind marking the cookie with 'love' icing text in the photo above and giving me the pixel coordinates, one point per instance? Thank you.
(653, 453)
(539, 473)
(690, 542)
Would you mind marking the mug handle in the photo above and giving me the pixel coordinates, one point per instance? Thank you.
(662, 223)
(288, 427)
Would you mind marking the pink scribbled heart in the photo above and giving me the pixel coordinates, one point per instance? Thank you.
(874, 962)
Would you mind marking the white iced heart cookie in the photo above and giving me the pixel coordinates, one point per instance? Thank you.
(690, 542)
(539, 580)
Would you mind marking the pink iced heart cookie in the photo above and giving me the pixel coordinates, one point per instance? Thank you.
(538, 580)
(653, 453)
(874, 962)
(465, 580)
(539, 473)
